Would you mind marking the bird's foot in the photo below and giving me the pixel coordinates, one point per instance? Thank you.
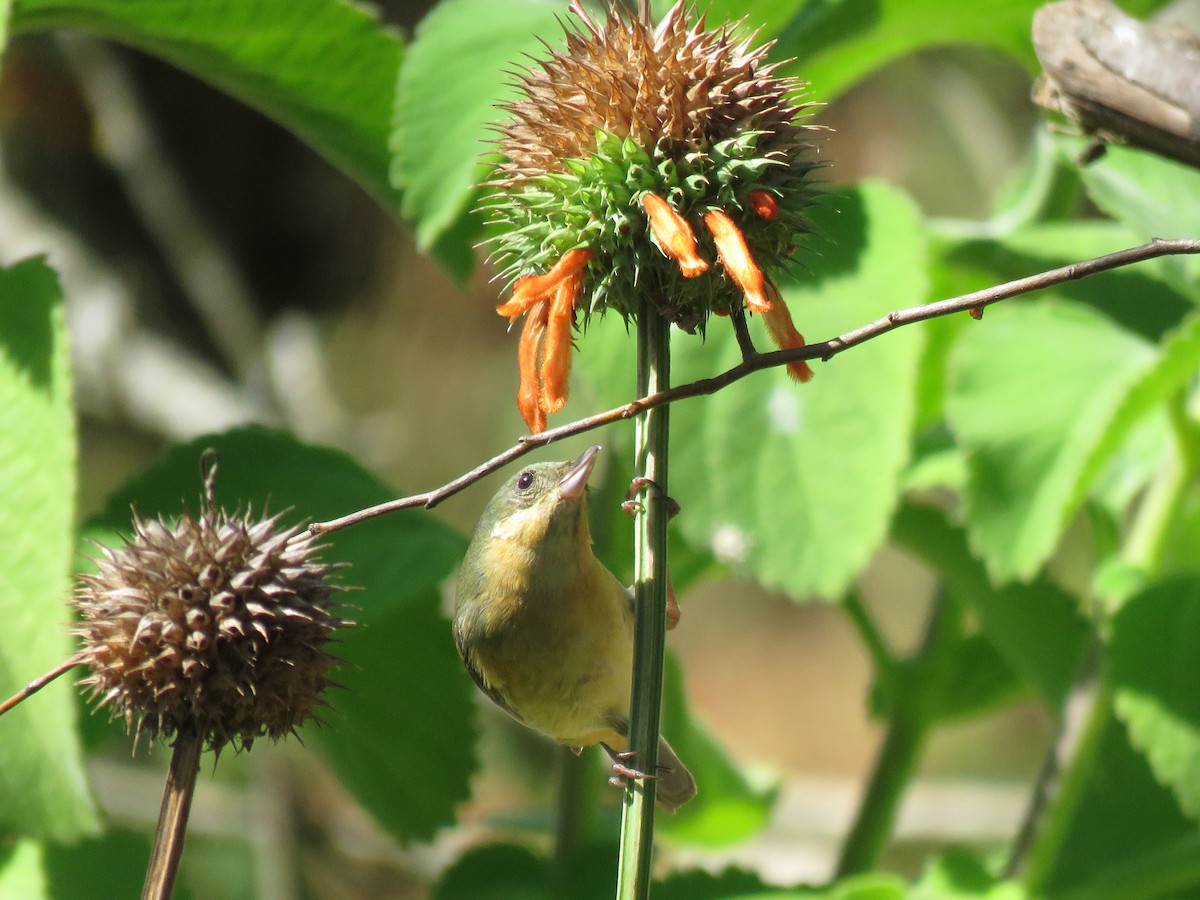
(633, 506)
(623, 773)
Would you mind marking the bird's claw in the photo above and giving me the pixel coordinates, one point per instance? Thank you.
(639, 484)
(623, 773)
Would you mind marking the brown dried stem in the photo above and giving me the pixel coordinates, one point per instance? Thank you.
(40, 682)
(754, 361)
(173, 817)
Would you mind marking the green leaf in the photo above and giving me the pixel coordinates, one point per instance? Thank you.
(496, 872)
(21, 872)
(5, 11)
(1032, 391)
(1142, 190)
(407, 708)
(455, 75)
(325, 69)
(117, 860)
(959, 875)
(729, 808)
(1035, 627)
(979, 679)
(41, 770)
(1157, 682)
(1140, 298)
(837, 44)
(761, 467)
(1123, 818)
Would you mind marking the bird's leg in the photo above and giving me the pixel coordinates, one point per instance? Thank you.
(632, 506)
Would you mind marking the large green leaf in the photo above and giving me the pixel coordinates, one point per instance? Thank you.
(1143, 191)
(41, 771)
(325, 69)
(449, 88)
(1035, 627)
(762, 467)
(1157, 682)
(1033, 389)
(1126, 836)
(407, 708)
(838, 42)
(1141, 298)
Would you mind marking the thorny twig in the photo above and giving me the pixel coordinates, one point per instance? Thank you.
(755, 361)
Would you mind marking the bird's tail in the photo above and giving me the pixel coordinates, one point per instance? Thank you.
(675, 785)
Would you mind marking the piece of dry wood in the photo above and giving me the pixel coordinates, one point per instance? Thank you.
(1120, 79)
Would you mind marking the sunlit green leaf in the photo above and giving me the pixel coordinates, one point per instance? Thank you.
(325, 69)
(41, 771)
(407, 707)
(958, 875)
(455, 75)
(21, 872)
(1143, 190)
(836, 44)
(1033, 389)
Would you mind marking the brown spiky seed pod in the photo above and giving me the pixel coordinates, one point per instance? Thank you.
(666, 163)
(214, 625)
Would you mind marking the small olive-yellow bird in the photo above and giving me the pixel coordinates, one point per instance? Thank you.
(544, 628)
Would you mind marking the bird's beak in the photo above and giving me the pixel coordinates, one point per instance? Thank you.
(574, 483)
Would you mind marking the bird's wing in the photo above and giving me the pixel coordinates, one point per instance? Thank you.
(492, 692)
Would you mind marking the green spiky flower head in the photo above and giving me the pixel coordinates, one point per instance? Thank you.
(664, 162)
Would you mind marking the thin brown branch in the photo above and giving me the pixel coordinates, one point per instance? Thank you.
(173, 816)
(755, 362)
(40, 682)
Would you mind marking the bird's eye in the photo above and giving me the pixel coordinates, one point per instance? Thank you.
(525, 481)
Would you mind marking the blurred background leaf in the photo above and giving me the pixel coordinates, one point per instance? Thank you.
(41, 766)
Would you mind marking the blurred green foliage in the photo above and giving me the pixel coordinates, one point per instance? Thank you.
(974, 447)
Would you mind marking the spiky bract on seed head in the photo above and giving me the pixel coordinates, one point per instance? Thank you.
(215, 625)
(697, 117)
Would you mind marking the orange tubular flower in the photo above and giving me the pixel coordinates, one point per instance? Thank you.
(735, 255)
(763, 204)
(779, 324)
(532, 288)
(674, 235)
(529, 393)
(548, 302)
(556, 351)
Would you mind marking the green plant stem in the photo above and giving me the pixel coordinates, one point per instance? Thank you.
(916, 701)
(575, 822)
(650, 591)
(1076, 755)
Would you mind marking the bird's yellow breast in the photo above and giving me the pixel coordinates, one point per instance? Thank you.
(557, 644)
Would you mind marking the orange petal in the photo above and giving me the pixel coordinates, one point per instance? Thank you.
(779, 324)
(530, 289)
(763, 203)
(556, 352)
(674, 235)
(529, 391)
(735, 255)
